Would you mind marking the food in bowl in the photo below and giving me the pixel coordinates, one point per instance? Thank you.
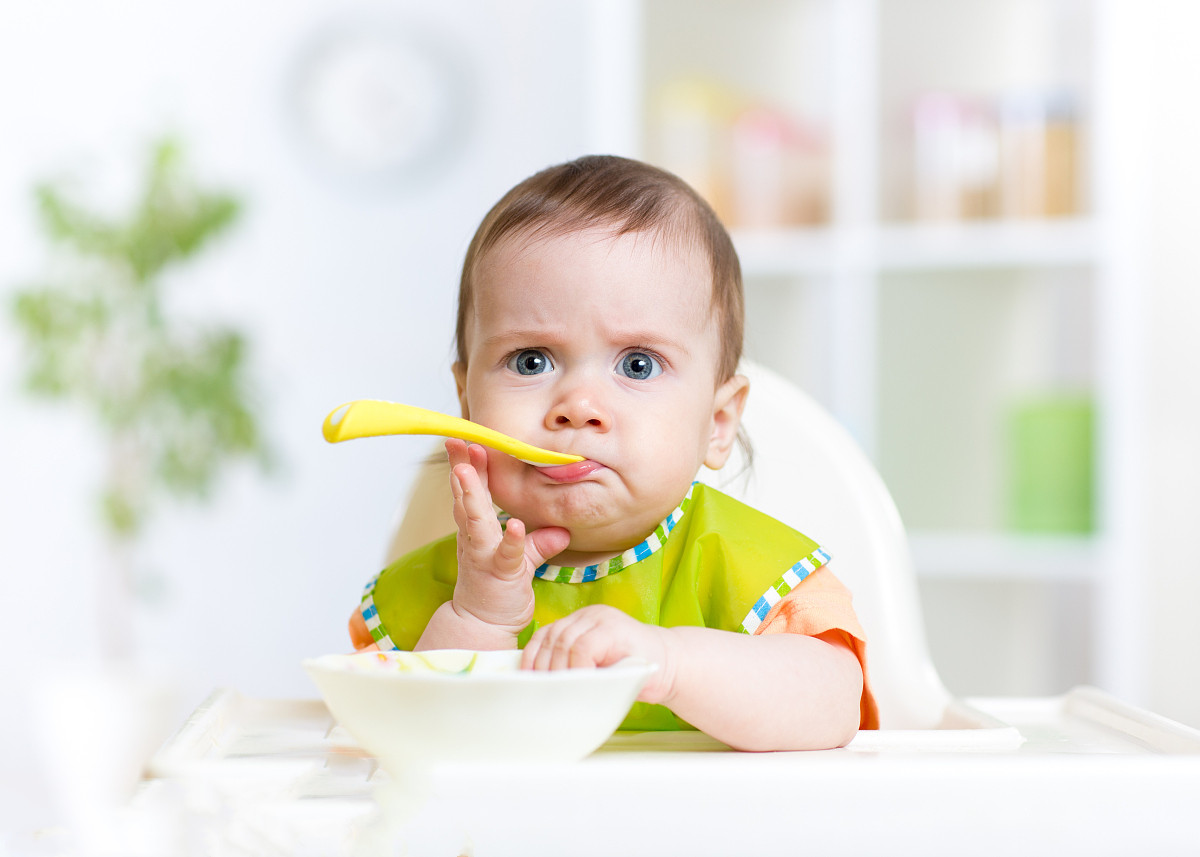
(419, 708)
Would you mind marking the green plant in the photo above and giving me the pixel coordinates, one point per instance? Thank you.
(170, 396)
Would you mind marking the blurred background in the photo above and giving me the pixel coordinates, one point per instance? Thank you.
(968, 228)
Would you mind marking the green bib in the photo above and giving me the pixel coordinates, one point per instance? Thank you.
(714, 562)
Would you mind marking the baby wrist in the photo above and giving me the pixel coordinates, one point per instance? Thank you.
(474, 624)
(451, 628)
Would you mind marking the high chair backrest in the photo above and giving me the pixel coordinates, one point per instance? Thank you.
(808, 472)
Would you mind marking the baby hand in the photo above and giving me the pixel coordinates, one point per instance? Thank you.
(598, 636)
(495, 564)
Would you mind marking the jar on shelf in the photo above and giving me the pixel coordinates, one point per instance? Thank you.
(779, 171)
(1039, 154)
(1015, 156)
(690, 137)
(1051, 441)
(955, 158)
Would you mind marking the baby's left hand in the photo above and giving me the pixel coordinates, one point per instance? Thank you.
(599, 636)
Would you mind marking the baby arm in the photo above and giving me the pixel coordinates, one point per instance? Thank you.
(493, 596)
(767, 692)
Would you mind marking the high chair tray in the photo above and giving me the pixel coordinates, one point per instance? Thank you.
(1080, 773)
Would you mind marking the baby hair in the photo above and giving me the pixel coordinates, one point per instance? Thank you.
(626, 196)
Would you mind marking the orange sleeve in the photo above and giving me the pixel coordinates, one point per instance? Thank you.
(818, 605)
(360, 637)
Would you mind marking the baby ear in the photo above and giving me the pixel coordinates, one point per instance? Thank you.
(728, 403)
(460, 384)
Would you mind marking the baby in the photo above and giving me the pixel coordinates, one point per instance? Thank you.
(600, 313)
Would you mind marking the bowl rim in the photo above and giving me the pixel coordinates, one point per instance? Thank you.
(626, 667)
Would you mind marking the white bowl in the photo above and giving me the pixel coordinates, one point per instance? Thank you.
(418, 708)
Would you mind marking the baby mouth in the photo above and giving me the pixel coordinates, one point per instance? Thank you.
(571, 472)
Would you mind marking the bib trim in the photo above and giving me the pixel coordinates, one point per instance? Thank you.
(648, 547)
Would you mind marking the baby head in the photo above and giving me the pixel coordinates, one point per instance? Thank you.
(601, 313)
(623, 196)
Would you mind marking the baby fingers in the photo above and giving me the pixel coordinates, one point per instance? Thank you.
(473, 512)
(575, 641)
(510, 555)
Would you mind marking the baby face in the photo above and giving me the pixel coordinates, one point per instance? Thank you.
(605, 347)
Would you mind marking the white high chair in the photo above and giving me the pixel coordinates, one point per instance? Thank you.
(1079, 773)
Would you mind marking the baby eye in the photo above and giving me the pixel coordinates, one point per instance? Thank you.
(639, 366)
(530, 362)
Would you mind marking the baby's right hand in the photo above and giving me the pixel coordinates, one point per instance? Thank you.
(495, 564)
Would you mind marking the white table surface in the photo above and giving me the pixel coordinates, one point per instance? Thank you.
(1078, 774)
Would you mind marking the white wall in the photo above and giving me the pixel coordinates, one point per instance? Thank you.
(1162, 65)
(346, 288)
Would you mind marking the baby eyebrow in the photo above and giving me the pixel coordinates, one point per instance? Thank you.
(625, 339)
(652, 339)
(524, 337)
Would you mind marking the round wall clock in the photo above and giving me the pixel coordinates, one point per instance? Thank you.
(381, 101)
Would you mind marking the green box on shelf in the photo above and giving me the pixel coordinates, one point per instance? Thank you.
(1051, 467)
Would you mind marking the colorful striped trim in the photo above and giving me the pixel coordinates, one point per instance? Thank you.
(370, 615)
(637, 553)
(790, 580)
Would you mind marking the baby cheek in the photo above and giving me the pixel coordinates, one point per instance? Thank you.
(501, 469)
(504, 479)
(667, 455)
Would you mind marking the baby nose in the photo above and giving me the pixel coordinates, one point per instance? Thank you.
(576, 409)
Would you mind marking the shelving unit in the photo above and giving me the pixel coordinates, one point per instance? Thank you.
(921, 333)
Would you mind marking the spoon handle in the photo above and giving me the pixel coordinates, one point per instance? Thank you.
(375, 417)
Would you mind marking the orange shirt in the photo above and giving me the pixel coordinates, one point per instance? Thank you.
(821, 604)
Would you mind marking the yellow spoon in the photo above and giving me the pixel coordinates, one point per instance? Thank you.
(374, 417)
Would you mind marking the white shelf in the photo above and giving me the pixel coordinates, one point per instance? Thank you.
(981, 556)
(977, 245)
(785, 252)
(996, 244)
